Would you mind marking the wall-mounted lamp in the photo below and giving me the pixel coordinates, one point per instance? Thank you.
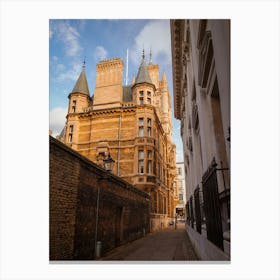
(108, 163)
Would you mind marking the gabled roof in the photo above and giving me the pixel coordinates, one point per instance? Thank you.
(81, 85)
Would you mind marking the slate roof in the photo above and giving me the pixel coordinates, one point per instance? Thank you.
(81, 85)
(127, 94)
(143, 74)
(62, 133)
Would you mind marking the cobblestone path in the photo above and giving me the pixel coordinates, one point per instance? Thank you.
(168, 244)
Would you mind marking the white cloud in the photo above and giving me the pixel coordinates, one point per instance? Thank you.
(71, 74)
(61, 73)
(154, 35)
(68, 35)
(57, 119)
(100, 53)
(82, 24)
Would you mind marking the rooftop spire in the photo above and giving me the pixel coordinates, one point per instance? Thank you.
(164, 76)
(143, 74)
(84, 64)
(164, 79)
(81, 85)
(150, 56)
(143, 54)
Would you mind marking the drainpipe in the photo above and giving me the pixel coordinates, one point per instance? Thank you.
(96, 219)
(119, 132)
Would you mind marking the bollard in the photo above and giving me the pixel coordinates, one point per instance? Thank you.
(98, 249)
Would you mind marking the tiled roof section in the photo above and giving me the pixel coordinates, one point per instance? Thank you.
(127, 94)
(81, 85)
(143, 74)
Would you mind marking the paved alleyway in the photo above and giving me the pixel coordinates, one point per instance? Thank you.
(168, 244)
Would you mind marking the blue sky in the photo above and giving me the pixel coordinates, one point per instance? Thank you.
(72, 41)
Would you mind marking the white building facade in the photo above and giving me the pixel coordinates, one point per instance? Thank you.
(201, 81)
(181, 205)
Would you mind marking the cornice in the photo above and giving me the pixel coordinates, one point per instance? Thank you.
(177, 31)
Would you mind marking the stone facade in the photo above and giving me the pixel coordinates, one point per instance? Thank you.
(81, 191)
(131, 123)
(201, 80)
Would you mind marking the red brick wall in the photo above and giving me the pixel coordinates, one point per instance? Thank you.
(74, 181)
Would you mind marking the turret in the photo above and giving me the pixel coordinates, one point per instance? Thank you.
(143, 89)
(78, 100)
(79, 97)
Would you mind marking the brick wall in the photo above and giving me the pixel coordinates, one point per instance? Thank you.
(74, 182)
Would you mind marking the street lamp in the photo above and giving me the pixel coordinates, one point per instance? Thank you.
(108, 165)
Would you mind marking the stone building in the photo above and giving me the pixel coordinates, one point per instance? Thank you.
(180, 207)
(131, 123)
(201, 80)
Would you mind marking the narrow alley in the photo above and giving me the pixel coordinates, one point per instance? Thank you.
(165, 245)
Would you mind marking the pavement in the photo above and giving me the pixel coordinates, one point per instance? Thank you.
(164, 245)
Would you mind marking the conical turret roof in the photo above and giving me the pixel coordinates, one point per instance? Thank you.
(143, 74)
(81, 85)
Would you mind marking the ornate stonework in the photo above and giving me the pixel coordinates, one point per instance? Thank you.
(132, 123)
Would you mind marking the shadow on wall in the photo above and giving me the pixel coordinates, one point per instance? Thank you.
(88, 205)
